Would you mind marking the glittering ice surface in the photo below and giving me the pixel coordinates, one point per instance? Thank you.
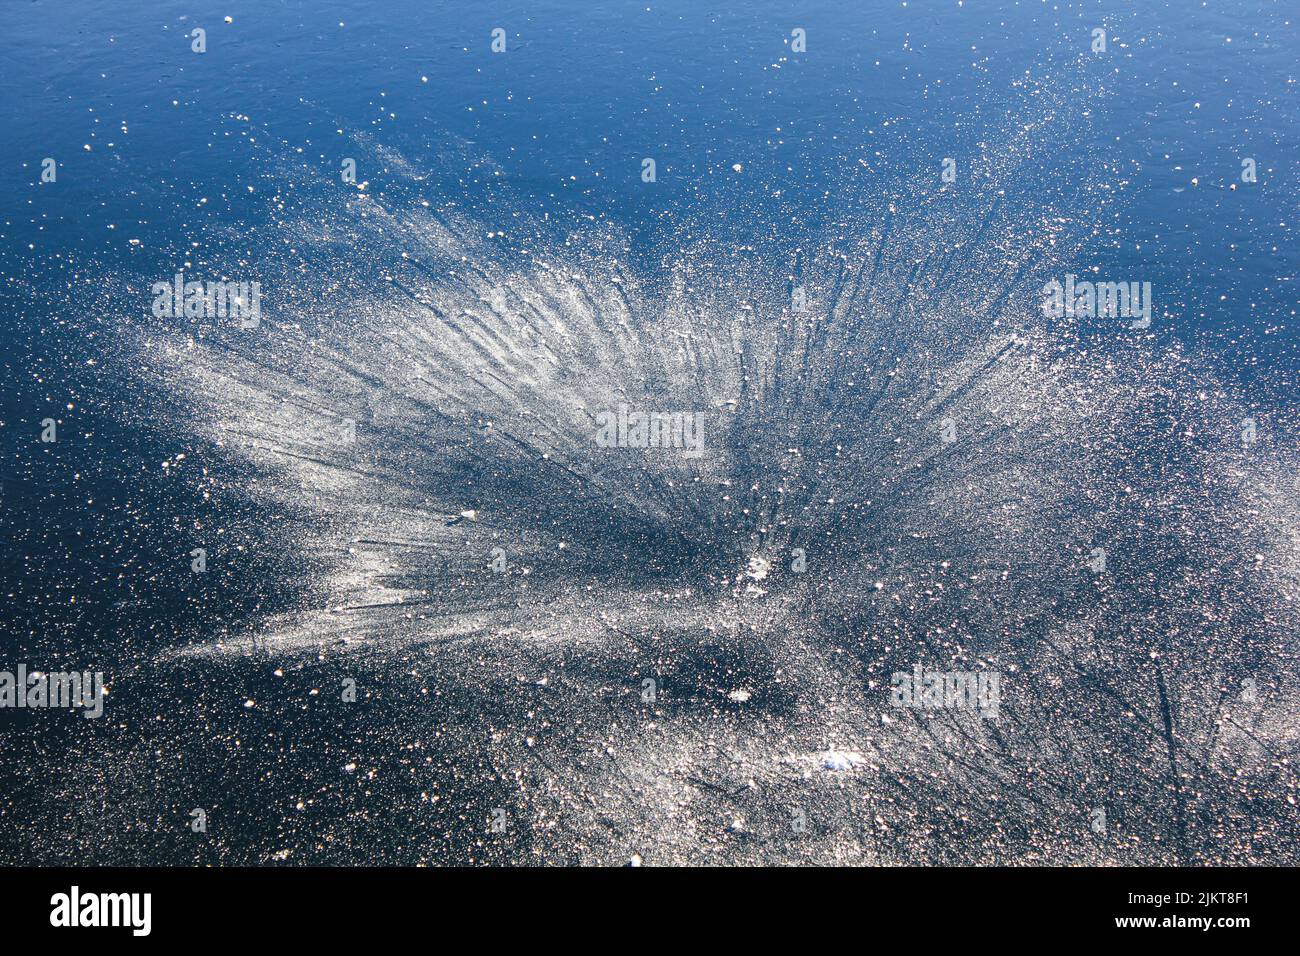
(568, 653)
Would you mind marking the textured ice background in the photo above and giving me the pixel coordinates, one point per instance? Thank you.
(473, 341)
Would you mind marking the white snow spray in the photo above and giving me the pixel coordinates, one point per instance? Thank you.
(650, 654)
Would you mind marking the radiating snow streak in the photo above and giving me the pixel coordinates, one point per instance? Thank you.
(470, 352)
